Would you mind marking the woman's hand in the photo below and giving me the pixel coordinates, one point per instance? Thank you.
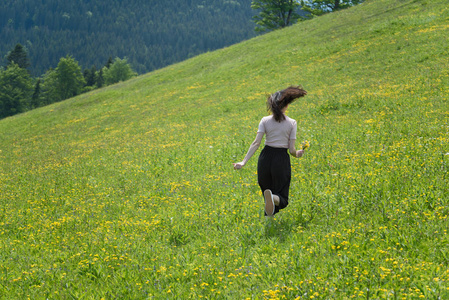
(238, 165)
(299, 153)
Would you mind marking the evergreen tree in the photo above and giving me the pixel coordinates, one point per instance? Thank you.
(100, 78)
(109, 62)
(86, 74)
(89, 76)
(36, 97)
(18, 56)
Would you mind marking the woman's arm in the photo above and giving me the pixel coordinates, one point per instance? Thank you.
(292, 149)
(252, 149)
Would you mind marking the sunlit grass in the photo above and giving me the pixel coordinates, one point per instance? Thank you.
(129, 191)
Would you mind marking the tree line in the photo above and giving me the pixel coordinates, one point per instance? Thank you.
(20, 92)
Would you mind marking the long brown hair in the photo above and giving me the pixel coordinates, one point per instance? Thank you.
(277, 101)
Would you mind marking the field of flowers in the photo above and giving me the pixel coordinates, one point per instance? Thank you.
(128, 192)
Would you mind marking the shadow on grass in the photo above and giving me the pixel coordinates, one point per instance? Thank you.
(281, 226)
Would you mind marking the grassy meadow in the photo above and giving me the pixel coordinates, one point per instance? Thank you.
(128, 192)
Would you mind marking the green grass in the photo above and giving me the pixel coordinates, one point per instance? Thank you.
(129, 192)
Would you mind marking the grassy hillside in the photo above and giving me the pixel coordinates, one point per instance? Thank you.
(129, 192)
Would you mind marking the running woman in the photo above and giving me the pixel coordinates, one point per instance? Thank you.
(273, 168)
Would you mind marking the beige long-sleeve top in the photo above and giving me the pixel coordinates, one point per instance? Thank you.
(278, 134)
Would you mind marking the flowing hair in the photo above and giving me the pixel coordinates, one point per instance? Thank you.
(278, 101)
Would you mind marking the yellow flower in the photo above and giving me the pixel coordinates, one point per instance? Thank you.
(305, 145)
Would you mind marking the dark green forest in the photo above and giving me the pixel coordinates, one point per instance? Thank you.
(149, 33)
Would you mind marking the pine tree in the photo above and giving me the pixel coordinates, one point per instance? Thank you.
(18, 56)
(109, 62)
(90, 75)
(100, 78)
(36, 97)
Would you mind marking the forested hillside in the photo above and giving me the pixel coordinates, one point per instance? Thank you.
(150, 33)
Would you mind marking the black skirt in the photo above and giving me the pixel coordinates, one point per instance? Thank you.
(274, 172)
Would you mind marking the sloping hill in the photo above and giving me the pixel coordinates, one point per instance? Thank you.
(129, 192)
